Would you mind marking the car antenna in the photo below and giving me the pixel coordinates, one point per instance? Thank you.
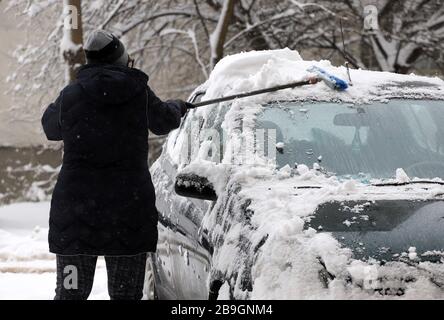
(347, 64)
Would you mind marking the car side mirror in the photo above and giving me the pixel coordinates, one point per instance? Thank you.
(191, 185)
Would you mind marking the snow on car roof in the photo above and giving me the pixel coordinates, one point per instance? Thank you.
(260, 69)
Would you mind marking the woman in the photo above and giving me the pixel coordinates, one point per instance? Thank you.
(104, 201)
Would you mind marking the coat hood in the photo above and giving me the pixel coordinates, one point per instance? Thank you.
(111, 84)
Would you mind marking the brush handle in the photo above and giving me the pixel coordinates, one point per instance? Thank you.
(252, 93)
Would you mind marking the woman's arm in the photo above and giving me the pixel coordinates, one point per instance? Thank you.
(51, 120)
(164, 117)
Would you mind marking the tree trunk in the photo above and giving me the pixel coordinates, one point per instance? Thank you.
(218, 37)
(72, 42)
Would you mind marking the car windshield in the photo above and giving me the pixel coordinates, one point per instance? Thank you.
(368, 141)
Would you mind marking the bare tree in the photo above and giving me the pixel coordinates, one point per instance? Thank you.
(178, 42)
(218, 37)
(72, 41)
(190, 35)
(390, 35)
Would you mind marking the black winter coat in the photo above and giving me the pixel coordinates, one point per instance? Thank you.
(104, 200)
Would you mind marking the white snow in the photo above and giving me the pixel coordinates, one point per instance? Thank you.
(412, 253)
(67, 45)
(347, 223)
(33, 10)
(284, 172)
(27, 269)
(97, 4)
(401, 176)
(302, 169)
(260, 69)
(287, 265)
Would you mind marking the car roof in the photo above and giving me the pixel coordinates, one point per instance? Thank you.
(261, 69)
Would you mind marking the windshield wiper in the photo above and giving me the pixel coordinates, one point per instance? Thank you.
(308, 187)
(436, 277)
(395, 184)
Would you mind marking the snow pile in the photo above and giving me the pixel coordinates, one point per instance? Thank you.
(253, 70)
(24, 238)
(260, 69)
(401, 176)
(27, 269)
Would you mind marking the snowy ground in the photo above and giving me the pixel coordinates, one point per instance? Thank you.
(27, 270)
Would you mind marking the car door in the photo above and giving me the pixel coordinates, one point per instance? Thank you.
(190, 261)
(162, 263)
(191, 249)
(180, 263)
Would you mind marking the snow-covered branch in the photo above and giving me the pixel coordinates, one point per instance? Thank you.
(217, 38)
(206, 30)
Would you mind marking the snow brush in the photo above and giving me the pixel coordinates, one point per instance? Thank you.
(331, 81)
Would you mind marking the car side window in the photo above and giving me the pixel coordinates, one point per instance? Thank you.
(179, 145)
(211, 135)
(199, 127)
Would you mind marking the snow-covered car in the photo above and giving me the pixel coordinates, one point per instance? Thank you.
(306, 193)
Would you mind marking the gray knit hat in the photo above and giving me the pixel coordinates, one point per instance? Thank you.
(104, 47)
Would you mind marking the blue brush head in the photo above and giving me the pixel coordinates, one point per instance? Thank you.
(329, 79)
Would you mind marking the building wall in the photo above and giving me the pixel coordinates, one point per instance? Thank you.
(13, 132)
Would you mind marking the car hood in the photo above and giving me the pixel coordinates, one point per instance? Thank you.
(385, 229)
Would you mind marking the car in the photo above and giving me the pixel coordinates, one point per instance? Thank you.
(307, 193)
